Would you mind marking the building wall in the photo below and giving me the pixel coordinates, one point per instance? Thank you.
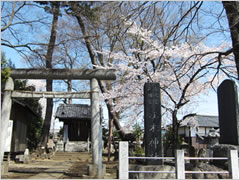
(77, 135)
(184, 131)
(197, 142)
(181, 131)
(202, 131)
(78, 129)
(20, 116)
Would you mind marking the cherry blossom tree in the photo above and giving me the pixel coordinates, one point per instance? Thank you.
(183, 70)
(154, 57)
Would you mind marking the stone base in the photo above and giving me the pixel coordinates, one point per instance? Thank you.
(4, 167)
(152, 175)
(207, 167)
(93, 170)
(222, 150)
(76, 146)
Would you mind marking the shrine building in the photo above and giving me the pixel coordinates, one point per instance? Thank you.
(77, 126)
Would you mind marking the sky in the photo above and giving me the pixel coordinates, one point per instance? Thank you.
(207, 105)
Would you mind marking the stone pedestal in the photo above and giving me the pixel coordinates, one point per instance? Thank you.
(152, 175)
(93, 170)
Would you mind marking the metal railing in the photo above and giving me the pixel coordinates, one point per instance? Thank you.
(180, 172)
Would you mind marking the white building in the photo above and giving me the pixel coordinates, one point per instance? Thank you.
(204, 135)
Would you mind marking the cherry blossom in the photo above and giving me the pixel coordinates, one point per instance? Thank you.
(183, 70)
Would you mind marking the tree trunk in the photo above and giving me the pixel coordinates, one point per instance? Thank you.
(116, 123)
(232, 11)
(110, 125)
(175, 131)
(94, 62)
(69, 83)
(51, 45)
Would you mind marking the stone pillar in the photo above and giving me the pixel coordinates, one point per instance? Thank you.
(123, 160)
(228, 112)
(152, 123)
(5, 113)
(65, 133)
(65, 137)
(95, 120)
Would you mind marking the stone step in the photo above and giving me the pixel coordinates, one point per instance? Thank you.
(71, 154)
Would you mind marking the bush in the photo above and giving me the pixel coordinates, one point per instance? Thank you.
(138, 151)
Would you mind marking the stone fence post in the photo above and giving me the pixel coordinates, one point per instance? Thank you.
(233, 164)
(123, 160)
(180, 164)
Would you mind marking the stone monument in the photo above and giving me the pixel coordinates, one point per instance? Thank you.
(152, 123)
(228, 112)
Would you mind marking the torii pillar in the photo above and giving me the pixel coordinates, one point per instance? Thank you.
(5, 113)
(95, 120)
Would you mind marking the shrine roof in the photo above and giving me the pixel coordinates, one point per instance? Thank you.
(73, 111)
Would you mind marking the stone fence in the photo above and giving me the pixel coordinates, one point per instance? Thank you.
(180, 172)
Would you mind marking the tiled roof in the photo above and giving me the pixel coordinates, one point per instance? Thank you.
(207, 121)
(73, 111)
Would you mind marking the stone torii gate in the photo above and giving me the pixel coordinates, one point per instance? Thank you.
(58, 74)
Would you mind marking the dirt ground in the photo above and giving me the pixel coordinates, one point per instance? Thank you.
(65, 166)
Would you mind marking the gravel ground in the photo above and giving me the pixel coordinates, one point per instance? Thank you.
(70, 168)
